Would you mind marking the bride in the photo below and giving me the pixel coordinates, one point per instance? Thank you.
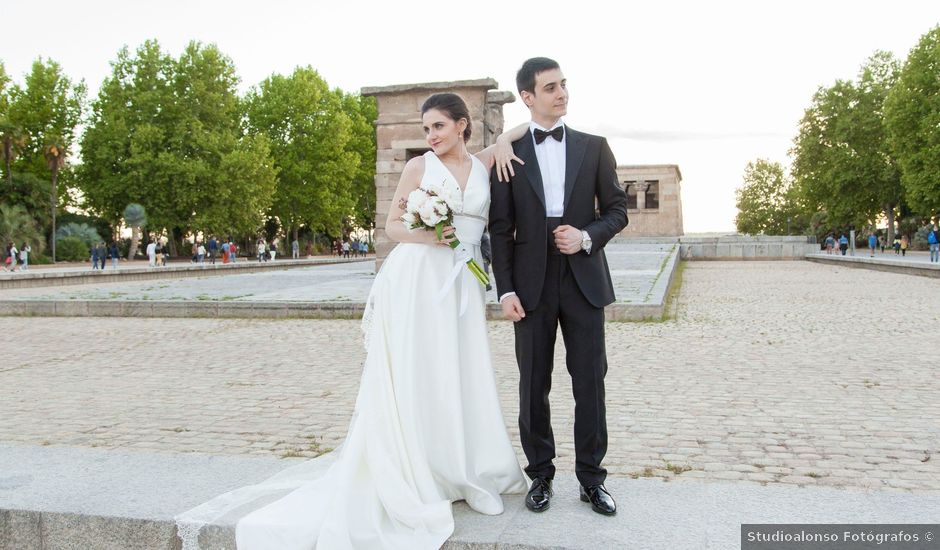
(427, 428)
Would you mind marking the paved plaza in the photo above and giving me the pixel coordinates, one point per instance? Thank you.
(771, 372)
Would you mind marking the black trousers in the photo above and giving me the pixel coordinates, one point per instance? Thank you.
(582, 327)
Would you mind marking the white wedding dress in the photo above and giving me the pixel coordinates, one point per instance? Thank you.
(427, 428)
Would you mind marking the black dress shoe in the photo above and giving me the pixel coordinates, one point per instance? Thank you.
(600, 499)
(540, 494)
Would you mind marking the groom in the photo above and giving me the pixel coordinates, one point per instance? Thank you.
(548, 228)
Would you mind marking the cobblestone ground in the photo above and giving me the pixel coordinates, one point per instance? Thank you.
(772, 372)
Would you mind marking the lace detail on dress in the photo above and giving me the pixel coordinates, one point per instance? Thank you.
(188, 532)
(368, 313)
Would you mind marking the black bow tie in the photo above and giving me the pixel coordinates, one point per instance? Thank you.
(540, 135)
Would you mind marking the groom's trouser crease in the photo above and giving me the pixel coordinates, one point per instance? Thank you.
(582, 328)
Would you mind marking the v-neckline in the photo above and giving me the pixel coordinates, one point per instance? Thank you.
(463, 190)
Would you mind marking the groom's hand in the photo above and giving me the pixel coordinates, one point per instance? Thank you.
(568, 239)
(512, 308)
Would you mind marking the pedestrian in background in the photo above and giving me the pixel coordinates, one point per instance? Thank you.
(115, 252)
(24, 256)
(933, 239)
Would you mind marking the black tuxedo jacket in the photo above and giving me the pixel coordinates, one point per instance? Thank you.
(594, 202)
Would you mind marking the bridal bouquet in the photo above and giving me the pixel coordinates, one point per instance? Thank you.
(432, 207)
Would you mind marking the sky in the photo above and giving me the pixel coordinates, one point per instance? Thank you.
(708, 86)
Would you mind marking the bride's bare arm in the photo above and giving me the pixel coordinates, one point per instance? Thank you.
(501, 153)
(394, 227)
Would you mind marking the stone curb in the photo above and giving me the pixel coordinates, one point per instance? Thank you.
(249, 310)
(876, 264)
(45, 279)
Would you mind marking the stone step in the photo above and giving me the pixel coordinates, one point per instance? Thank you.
(91, 499)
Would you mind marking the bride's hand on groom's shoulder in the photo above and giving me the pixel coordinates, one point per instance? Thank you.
(504, 157)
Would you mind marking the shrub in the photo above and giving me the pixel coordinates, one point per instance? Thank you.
(71, 249)
(81, 231)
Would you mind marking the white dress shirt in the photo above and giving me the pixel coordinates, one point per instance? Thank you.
(551, 155)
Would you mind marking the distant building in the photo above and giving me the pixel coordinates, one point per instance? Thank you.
(654, 199)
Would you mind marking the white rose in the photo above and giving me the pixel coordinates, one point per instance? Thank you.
(410, 220)
(415, 199)
(440, 206)
(429, 214)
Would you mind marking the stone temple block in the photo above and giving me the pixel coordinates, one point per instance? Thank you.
(400, 137)
(654, 200)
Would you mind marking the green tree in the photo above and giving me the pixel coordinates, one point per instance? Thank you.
(912, 117)
(765, 202)
(11, 136)
(362, 112)
(31, 193)
(310, 135)
(56, 153)
(48, 107)
(167, 134)
(125, 146)
(842, 163)
(17, 226)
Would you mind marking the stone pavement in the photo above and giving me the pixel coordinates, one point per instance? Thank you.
(772, 373)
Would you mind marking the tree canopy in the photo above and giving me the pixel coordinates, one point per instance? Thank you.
(912, 116)
(841, 160)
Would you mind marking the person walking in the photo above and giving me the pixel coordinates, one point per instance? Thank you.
(12, 254)
(933, 239)
(905, 243)
(295, 249)
(152, 253)
(213, 249)
(94, 256)
(201, 254)
(24, 256)
(115, 252)
(843, 244)
(872, 244)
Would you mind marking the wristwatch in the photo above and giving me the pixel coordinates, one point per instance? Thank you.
(585, 241)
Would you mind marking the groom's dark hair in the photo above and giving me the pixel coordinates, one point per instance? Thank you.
(525, 78)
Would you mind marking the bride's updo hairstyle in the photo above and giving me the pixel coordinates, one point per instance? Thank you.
(451, 105)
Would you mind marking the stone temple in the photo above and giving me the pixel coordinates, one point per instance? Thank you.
(653, 191)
